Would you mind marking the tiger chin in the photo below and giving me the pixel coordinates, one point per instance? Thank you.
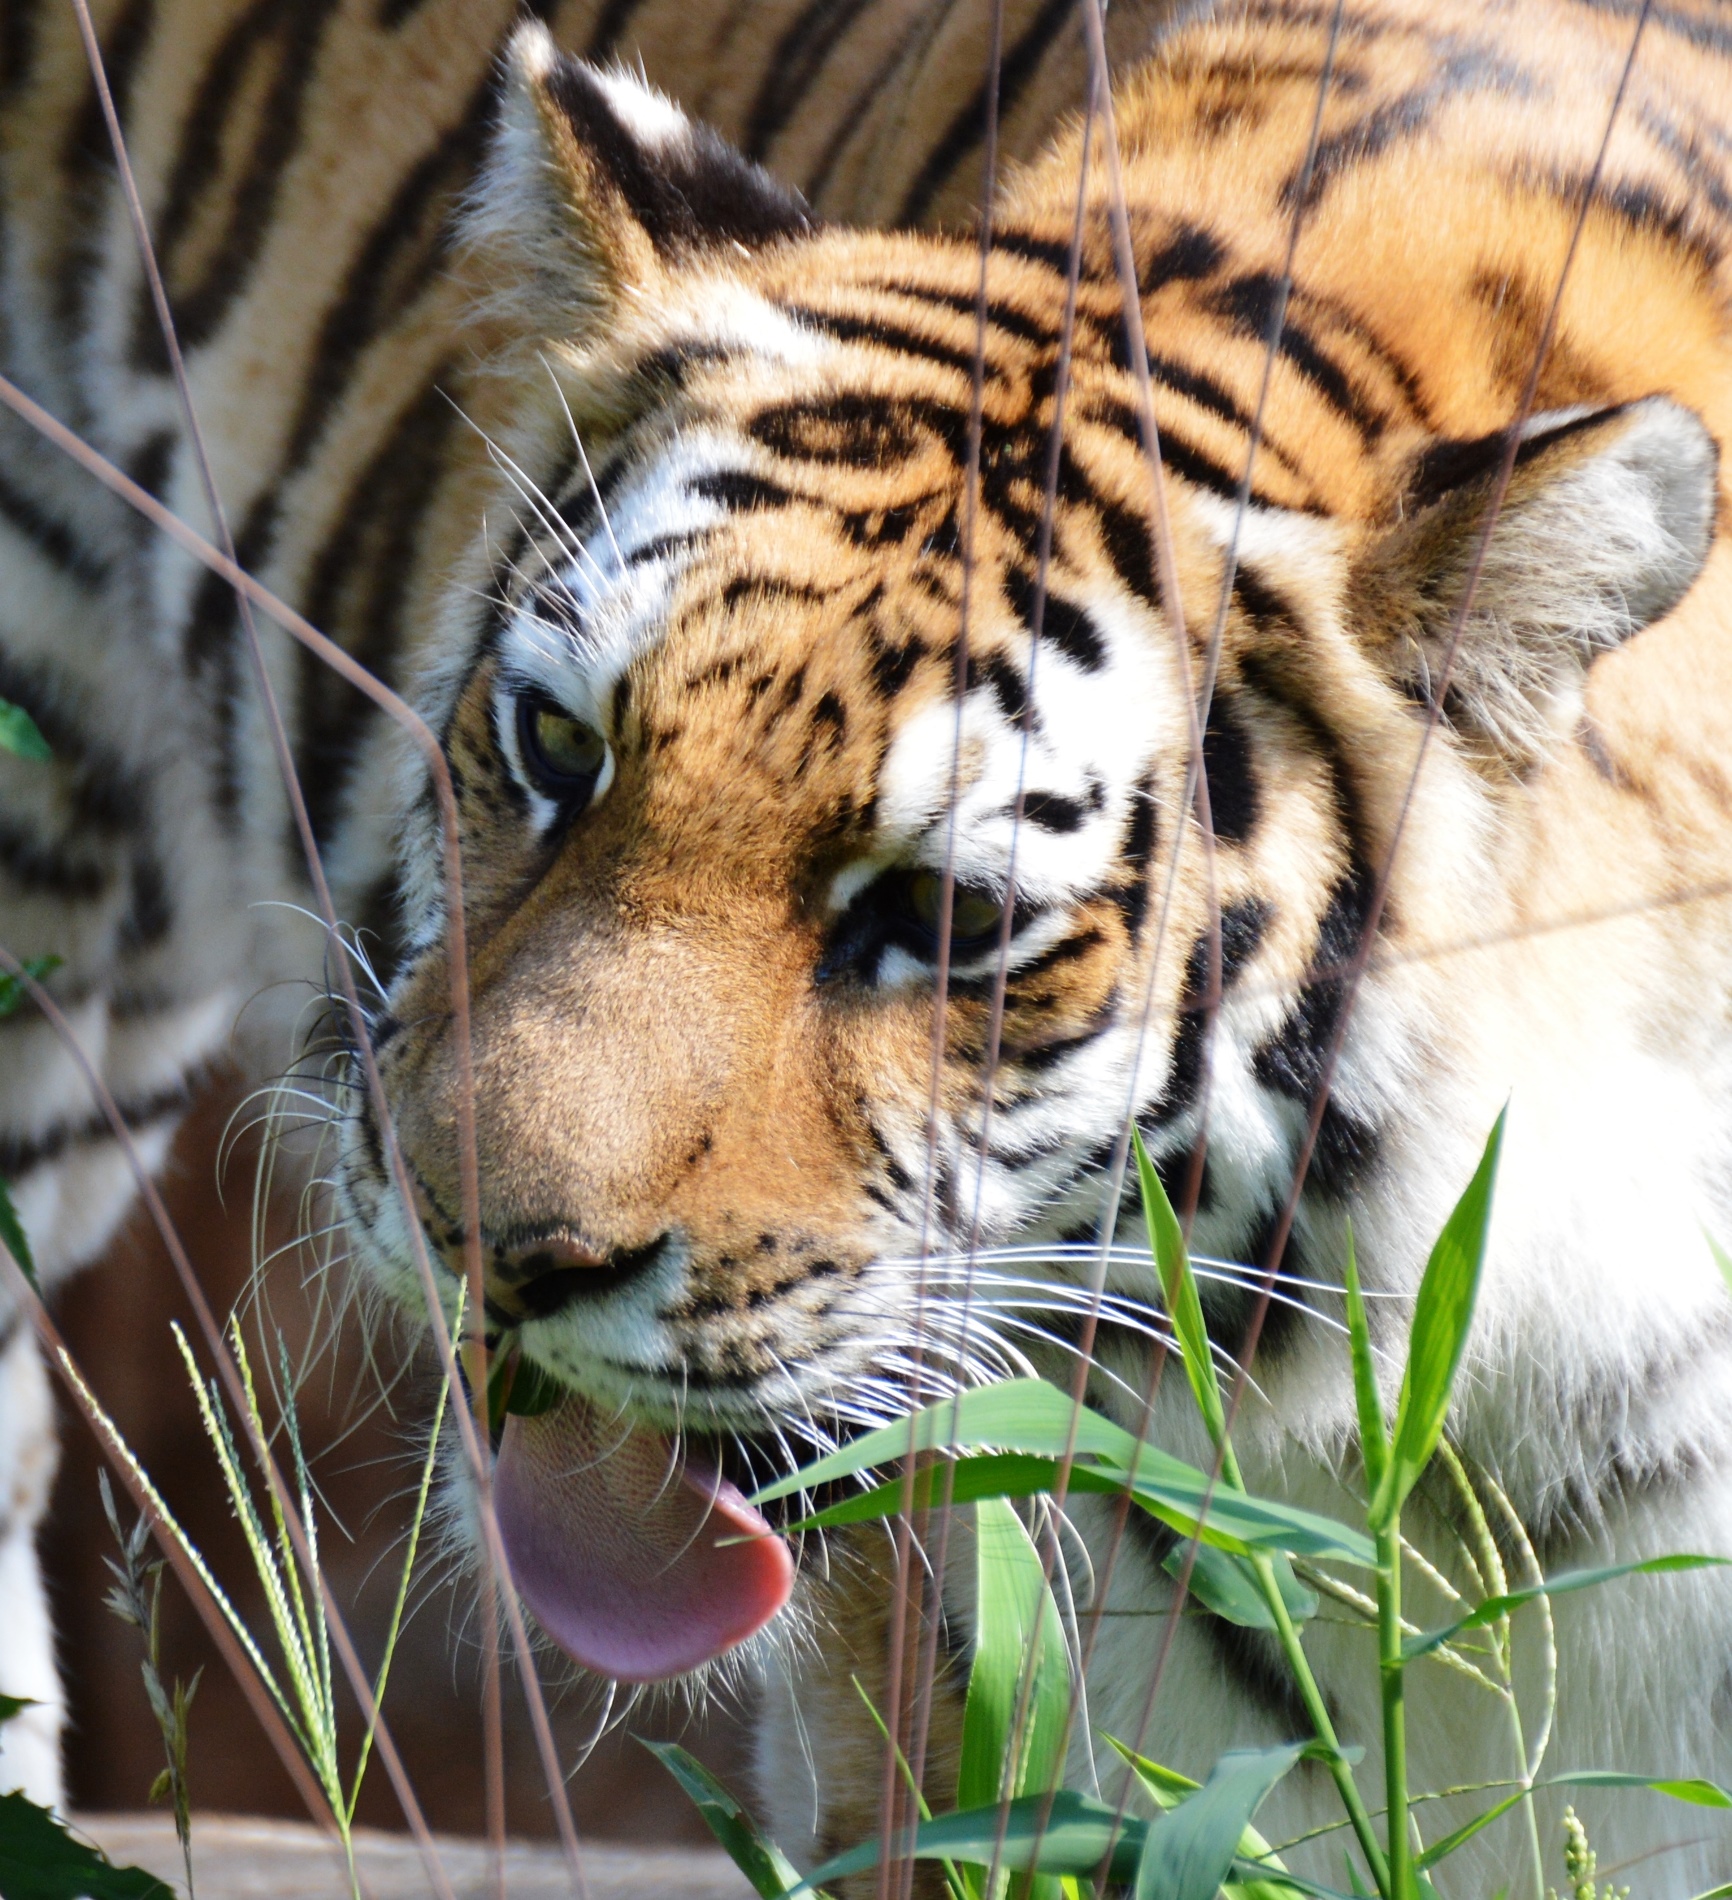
(715, 787)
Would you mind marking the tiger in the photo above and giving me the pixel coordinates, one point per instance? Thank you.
(1305, 680)
(302, 168)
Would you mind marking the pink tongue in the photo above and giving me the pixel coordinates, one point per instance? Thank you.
(620, 1556)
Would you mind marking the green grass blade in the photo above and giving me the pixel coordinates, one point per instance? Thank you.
(1442, 1316)
(1227, 1587)
(13, 1238)
(1256, 1866)
(1235, 1521)
(1026, 1415)
(1189, 1854)
(20, 734)
(191, 1551)
(1693, 1791)
(1373, 1432)
(953, 1879)
(1066, 1833)
(1495, 1607)
(764, 1864)
(1179, 1289)
(1014, 1614)
(414, 1544)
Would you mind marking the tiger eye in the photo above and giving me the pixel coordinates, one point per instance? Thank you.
(563, 755)
(974, 914)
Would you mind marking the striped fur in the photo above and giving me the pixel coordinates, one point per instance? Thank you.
(703, 996)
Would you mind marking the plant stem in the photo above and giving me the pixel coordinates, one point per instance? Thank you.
(1392, 1672)
(1340, 1768)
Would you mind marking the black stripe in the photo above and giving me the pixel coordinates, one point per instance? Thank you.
(20, 1153)
(889, 336)
(36, 866)
(355, 594)
(968, 127)
(54, 542)
(794, 65)
(203, 275)
(1249, 303)
(1230, 772)
(87, 166)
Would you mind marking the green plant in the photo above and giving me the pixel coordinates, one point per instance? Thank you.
(304, 1690)
(1258, 1562)
(136, 1598)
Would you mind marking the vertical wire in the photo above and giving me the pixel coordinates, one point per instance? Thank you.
(908, 1590)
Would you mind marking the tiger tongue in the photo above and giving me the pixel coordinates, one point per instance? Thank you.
(624, 1560)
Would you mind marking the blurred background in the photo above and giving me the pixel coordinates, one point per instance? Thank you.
(366, 1460)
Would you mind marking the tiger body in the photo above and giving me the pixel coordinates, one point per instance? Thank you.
(713, 1146)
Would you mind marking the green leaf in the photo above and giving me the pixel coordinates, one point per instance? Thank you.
(1441, 1318)
(1179, 1290)
(1494, 1607)
(1700, 1794)
(769, 1870)
(1032, 1418)
(40, 1860)
(12, 1237)
(1014, 1615)
(1227, 1587)
(20, 733)
(1256, 1869)
(1717, 1893)
(1015, 1415)
(1189, 1854)
(1373, 1432)
(12, 992)
(11, 1705)
(1065, 1833)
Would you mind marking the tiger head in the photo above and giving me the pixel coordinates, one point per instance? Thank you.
(822, 702)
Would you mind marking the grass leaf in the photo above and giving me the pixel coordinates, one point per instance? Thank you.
(1697, 1793)
(764, 1864)
(1033, 1419)
(1442, 1316)
(13, 1238)
(1189, 1854)
(1373, 1431)
(1066, 1833)
(19, 733)
(1495, 1607)
(1026, 1415)
(1256, 1867)
(1179, 1290)
(40, 1860)
(11, 1705)
(1227, 1587)
(1016, 1629)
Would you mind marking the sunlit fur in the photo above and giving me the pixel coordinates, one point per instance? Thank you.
(705, 485)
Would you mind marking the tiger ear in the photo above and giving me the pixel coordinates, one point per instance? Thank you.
(596, 185)
(1606, 523)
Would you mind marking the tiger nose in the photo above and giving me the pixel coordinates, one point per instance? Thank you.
(537, 1278)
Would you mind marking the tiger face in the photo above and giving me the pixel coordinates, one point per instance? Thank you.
(839, 881)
